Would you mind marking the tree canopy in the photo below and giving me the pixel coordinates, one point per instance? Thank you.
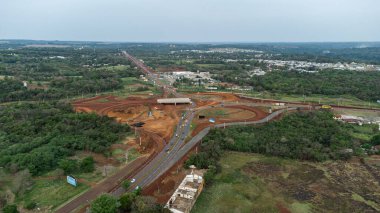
(36, 136)
(312, 136)
(105, 204)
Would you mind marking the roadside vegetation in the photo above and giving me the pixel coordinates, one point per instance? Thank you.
(129, 202)
(40, 137)
(312, 136)
(37, 136)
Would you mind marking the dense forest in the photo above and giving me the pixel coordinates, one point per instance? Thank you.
(313, 136)
(363, 85)
(36, 136)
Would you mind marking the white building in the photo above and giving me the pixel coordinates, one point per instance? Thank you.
(186, 194)
(174, 101)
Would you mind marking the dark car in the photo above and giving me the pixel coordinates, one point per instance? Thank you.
(138, 124)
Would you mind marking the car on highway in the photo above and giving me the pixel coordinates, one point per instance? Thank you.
(133, 180)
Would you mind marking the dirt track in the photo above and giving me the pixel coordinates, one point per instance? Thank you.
(201, 124)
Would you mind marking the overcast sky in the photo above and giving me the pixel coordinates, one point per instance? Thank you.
(191, 20)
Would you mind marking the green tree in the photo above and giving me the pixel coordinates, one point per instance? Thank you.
(69, 166)
(210, 174)
(126, 184)
(87, 164)
(10, 209)
(105, 203)
(30, 205)
(144, 204)
(126, 201)
(375, 140)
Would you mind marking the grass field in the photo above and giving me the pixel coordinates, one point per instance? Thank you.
(365, 132)
(362, 113)
(255, 183)
(322, 99)
(133, 154)
(344, 100)
(51, 193)
(131, 85)
(215, 112)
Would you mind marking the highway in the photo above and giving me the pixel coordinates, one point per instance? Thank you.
(146, 171)
(176, 148)
(153, 170)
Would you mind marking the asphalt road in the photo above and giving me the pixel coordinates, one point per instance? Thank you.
(163, 161)
(150, 172)
(102, 187)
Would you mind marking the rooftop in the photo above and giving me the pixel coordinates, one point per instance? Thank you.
(187, 192)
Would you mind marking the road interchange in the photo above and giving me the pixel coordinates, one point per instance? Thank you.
(157, 164)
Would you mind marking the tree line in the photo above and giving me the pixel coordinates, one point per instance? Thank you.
(313, 136)
(36, 136)
(362, 85)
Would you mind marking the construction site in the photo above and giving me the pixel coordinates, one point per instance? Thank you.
(155, 121)
(166, 130)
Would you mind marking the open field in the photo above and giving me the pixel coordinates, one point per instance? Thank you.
(255, 183)
(228, 113)
(363, 113)
(343, 100)
(49, 194)
(322, 99)
(50, 190)
(132, 87)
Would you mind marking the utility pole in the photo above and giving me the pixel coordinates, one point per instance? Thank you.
(105, 170)
(126, 156)
(158, 188)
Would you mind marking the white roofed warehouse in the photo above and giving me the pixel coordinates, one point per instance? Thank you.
(174, 101)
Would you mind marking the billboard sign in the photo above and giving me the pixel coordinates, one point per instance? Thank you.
(71, 180)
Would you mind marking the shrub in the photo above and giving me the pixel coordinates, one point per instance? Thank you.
(10, 209)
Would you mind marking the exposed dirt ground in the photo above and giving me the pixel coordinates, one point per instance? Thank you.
(160, 121)
(215, 96)
(232, 114)
(163, 188)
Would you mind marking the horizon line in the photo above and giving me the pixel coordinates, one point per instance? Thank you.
(186, 42)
